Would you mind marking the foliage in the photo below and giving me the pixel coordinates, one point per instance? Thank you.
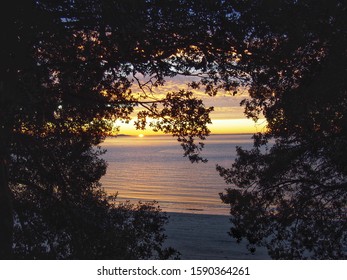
(70, 68)
(289, 191)
(67, 71)
(61, 211)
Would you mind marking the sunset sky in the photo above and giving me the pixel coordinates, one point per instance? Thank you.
(227, 117)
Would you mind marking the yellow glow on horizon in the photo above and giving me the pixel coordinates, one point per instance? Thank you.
(219, 126)
(237, 126)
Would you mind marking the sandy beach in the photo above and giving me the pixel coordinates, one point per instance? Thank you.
(204, 237)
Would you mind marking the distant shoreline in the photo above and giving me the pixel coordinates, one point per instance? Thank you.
(166, 135)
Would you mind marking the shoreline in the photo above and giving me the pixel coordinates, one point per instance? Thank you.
(205, 237)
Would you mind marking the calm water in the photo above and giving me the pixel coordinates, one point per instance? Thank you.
(153, 168)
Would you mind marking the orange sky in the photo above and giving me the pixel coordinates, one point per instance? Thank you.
(220, 126)
(227, 117)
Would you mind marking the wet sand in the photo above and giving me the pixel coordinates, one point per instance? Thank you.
(205, 237)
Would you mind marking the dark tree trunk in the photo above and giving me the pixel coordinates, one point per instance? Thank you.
(6, 211)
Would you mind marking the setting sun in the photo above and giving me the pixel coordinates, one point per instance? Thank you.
(141, 135)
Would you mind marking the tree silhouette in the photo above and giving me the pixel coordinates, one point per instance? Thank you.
(67, 71)
(61, 212)
(289, 191)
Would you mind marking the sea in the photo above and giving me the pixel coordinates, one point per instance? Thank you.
(153, 168)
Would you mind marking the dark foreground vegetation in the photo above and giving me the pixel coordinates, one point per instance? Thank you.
(67, 71)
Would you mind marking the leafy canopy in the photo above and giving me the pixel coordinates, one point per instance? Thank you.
(66, 75)
(289, 191)
(61, 212)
